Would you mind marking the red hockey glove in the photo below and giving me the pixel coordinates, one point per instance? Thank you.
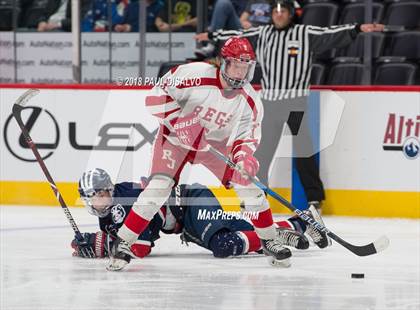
(246, 163)
(190, 132)
(141, 250)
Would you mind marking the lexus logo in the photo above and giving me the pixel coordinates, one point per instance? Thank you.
(41, 120)
(16, 143)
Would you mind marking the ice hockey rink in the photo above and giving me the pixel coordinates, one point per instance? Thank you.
(38, 271)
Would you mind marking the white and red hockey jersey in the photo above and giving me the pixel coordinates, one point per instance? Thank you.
(230, 117)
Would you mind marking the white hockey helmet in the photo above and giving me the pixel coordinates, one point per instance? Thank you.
(91, 183)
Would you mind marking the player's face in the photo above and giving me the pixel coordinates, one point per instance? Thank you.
(237, 69)
(101, 201)
(281, 18)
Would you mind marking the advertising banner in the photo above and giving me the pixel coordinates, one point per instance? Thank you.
(46, 58)
(369, 163)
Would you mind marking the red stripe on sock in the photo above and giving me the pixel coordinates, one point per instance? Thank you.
(265, 219)
(285, 224)
(253, 240)
(135, 222)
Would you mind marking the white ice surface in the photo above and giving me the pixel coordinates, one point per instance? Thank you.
(38, 271)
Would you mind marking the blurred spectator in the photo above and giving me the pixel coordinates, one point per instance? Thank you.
(61, 19)
(130, 20)
(6, 14)
(96, 18)
(182, 17)
(226, 14)
(36, 12)
(257, 13)
(253, 13)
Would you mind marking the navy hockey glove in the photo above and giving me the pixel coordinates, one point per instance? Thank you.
(93, 245)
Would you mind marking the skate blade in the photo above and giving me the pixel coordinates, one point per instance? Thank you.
(284, 263)
(116, 264)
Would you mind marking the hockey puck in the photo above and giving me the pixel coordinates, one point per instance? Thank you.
(357, 275)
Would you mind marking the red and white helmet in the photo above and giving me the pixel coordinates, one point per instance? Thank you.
(238, 61)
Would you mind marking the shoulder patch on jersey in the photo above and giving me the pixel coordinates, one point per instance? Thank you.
(118, 214)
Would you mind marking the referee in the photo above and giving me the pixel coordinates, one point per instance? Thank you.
(284, 51)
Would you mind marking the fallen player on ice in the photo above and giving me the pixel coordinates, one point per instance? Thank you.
(191, 211)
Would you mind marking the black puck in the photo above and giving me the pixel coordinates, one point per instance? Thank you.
(357, 275)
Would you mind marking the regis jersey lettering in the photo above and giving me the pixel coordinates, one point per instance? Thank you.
(231, 117)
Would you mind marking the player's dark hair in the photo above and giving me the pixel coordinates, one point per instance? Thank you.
(288, 4)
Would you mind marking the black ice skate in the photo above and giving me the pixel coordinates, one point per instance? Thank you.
(120, 255)
(320, 238)
(292, 238)
(278, 255)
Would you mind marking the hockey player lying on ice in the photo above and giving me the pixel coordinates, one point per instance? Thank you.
(180, 214)
(199, 104)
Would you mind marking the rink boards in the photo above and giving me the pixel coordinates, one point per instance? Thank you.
(369, 139)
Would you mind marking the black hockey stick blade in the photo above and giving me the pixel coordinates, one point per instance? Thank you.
(377, 246)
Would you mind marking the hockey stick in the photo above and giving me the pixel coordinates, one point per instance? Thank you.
(372, 248)
(18, 106)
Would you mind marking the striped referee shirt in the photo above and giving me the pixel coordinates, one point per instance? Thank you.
(285, 55)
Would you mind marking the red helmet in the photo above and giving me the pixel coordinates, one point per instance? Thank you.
(239, 48)
(237, 53)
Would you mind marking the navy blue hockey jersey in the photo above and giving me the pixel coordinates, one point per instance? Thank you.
(168, 216)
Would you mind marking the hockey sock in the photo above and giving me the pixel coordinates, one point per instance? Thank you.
(264, 225)
(285, 224)
(133, 226)
(147, 205)
(252, 242)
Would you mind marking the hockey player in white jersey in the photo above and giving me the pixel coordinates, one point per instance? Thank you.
(199, 104)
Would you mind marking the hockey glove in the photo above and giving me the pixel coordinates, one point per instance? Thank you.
(247, 164)
(91, 246)
(141, 250)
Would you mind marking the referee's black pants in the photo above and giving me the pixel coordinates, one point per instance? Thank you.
(292, 112)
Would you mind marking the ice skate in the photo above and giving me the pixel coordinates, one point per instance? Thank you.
(319, 237)
(120, 255)
(292, 238)
(278, 255)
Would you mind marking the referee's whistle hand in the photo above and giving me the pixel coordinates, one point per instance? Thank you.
(204, 36)
(372, 27)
